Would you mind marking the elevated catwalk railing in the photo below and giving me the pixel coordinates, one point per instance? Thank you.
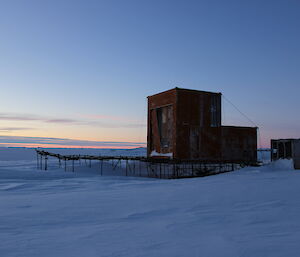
(143, 166)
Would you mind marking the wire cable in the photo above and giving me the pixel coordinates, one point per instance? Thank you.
(250, 120)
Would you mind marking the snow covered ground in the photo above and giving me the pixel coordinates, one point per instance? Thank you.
(246, 213)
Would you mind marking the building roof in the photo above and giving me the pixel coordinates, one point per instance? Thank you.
(185, 89)
(286, 139)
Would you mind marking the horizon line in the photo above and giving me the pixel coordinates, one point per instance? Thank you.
(52, 142)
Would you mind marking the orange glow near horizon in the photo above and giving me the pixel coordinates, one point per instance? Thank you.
(98, 128)
(32, 145)
(77, 133)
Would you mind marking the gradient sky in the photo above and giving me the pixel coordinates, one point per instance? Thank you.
(82, 70)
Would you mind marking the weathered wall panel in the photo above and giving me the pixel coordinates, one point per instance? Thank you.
(195, 108)
(286, 149)
(239, 143)
(155, 102)
(296, 153)
(194, 117)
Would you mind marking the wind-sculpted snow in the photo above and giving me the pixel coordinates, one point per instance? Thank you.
(251, 212)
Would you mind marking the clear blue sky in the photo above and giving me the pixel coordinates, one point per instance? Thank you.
(83, 69)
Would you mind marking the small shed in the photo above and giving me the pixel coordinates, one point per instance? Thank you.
(286, 149)
(185, 124)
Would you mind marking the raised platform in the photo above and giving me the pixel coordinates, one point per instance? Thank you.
(145, 167)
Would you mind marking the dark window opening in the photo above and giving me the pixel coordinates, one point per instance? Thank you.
(165, 123)
(288, 149)
(215, 111)
(281, 150)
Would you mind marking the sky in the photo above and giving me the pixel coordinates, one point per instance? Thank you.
(77, 73)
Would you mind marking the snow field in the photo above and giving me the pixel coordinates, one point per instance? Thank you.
(250, 212)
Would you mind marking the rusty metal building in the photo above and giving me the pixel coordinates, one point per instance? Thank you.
(186, 124)
(286, 149)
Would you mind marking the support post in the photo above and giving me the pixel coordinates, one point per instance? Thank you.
(140, 169)
(159, 170)
(174, 170)
(101, 170)
(46, 158)
(192, 169)
(37, 160)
